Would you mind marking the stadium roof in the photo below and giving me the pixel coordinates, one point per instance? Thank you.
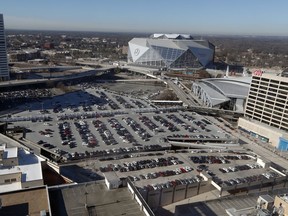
(215, 97)
(229, 87)
(215, 91)
(171, 51)
(171, 36)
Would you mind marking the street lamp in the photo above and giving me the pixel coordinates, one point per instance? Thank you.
(86, 205)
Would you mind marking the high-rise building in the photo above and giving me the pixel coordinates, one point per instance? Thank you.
(266, 111)
(4, 71)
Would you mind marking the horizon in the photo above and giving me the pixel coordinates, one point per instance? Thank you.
(148, 33)
(245, 18)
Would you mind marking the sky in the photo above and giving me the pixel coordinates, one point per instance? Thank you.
(231, 17)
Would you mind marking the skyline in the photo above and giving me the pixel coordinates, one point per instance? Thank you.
(188, 16)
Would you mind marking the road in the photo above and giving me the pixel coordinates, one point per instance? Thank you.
(89, 72)
(264, 150)
(186, 98)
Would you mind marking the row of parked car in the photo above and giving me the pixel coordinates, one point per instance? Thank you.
(211, 159)
(150, 124)
(120, 153)
(113, 154)
(141, 164)
(166, 173)
(140, 131)
(104, 132)
(170, 126)
(181, 123)
(173, 183)
(199, 123)
(123, 133)
(123, 102)
(78, 116)
(249, 179)
(239, 168)
(88, 139)
(66, 134)
(138, 103)
(45, 144)
(110, 102)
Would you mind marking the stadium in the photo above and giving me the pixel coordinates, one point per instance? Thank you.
(170, 51)
(229, 93)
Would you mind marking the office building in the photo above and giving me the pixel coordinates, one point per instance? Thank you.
(172, 51)
(266, 111)
(4, 72)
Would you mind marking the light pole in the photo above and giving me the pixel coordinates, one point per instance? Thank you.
(86, 205)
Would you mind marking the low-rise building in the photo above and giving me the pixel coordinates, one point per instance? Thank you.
(19, 169)
(32, 201)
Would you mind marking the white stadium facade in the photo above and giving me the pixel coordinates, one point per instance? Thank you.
(171, 51)
(229, 93)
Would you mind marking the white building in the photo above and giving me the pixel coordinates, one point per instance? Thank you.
(223, 92)
(19, 169)
(174, 51)
(4, 72)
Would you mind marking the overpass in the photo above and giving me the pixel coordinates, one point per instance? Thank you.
(184, 94)
(142, 70)
(88, 72)
(49, 68)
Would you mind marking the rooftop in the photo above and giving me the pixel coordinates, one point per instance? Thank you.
(98, 198)
(25, 202)
(31, 165)
(172, 36)
(216, 207)
(11, 153)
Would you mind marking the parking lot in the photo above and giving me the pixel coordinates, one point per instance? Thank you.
(127, 135)
(156, 171)
(94, 122)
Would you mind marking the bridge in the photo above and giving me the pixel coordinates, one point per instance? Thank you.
(186, 98)
(142, 70)
(49, 68)
(184, 94)
(88, 72)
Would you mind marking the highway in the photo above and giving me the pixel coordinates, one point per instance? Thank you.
(89, 72)
(184, 94)
(193, 104)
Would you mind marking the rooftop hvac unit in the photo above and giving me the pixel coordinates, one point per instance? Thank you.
(43, 213)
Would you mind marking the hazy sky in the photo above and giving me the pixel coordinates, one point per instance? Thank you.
(234, 17)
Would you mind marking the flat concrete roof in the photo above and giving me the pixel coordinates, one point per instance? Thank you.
(11, 152)
(215, 207)
(25, 202)
(29, 166)
(100, 201)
